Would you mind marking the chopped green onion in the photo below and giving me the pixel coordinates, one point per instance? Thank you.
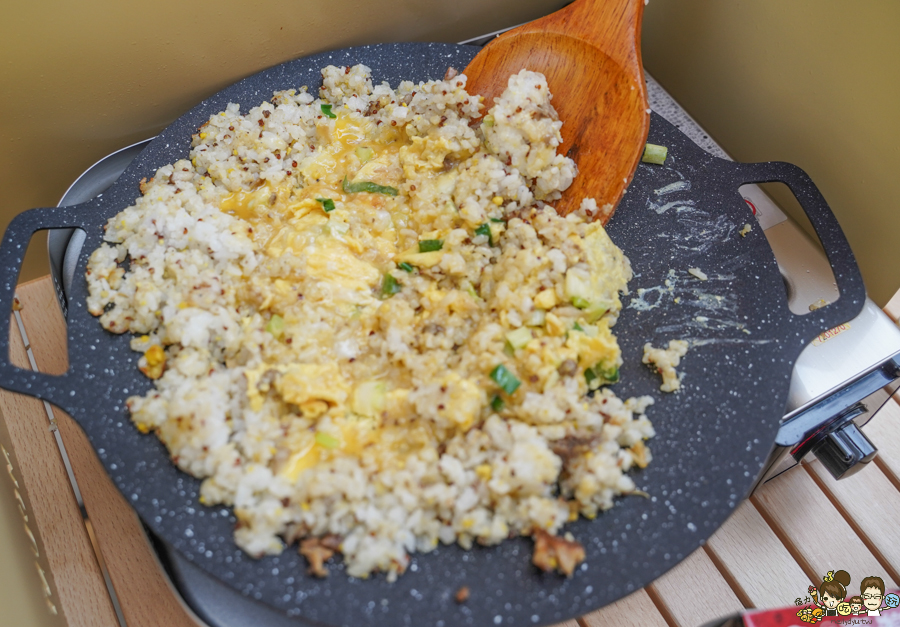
(655, 154)
(485, 229)
(505, 379)
(406, 267)
(611, 375)
(327, 204)
(519, 338)
(488, 121)
(364, 154)
(601, 375)
(430, 245)
(596, 311)
(581, 303)
(275, 326)
(497, 403)
(368, 186)
(389, 285)
(577, 327)
(327, 441)
(498, 220)
(537, 319)
(326, 111)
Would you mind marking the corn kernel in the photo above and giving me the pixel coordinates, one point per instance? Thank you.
(155, 355)
(497, 200)
(202, 135)
(484, 472)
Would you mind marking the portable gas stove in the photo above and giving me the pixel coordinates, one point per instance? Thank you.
(839, 382)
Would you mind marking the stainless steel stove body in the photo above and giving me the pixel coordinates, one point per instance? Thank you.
(839, 382)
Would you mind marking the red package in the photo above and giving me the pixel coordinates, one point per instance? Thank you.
(809, 611)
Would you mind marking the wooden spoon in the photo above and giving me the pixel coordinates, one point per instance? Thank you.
(591, 55)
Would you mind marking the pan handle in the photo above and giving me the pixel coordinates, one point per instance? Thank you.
(12, 252)
(843, 263)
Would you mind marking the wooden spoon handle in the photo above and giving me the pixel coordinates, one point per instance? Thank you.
(612, 26)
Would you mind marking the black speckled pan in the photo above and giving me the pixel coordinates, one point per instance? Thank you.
(712, 437)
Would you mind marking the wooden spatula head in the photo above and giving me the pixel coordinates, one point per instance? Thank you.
(590, 54)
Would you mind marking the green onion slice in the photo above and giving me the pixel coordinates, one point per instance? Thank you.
(485, 229)
(327, 204)
(430, 245)
(603, 375)
(581, 303)
(611, 375)
(655, 154)
(389, 285)
(275, 326)
(498, 220)
(406, 267)
(497, 403)
(326, 111)
(519, 338)
(505, 379)
(327, 441)
(364, 154)
(368, 186)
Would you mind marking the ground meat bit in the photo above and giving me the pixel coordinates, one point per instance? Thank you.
(449, 163)
(317, 551)
(462, 595)
(573, 445)
(568, 368)
(555, 553)
(451, 73)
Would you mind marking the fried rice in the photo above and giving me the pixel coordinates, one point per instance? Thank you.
(367, 328)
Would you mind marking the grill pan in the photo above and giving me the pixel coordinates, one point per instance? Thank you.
(712, 437)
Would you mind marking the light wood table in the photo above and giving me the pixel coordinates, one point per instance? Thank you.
(785, 537)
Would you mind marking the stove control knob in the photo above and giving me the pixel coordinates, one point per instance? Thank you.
(845, 451)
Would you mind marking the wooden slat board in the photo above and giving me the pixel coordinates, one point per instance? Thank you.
(792, 531)
(808, 522)
(760, 566)
(694, 592)
(140, 585)
(77, 587)
(635, 609)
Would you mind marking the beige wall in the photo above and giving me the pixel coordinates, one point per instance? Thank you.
(814, 82)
